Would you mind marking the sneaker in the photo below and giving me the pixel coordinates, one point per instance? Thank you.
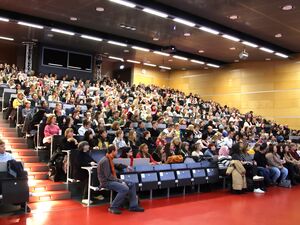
(99, 197)
(86, 201)
(258, 191)
(137, 209)
(258, 178)
(114, 210)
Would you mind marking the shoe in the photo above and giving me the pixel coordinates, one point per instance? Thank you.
(258, 178)
(86, 201)
(258, 191)
(114, 210)
(99, 197)
(136, 209)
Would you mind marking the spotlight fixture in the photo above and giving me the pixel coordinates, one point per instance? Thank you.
(233, 17)
(122, 67)
(279, 35)
(73, 18)
(287, 7)
(244, 55)
(99, 9)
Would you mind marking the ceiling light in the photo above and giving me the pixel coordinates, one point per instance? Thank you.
(236, 60)
(122, 67)
(185, 22)
(279, 35)
(170, 60)
(230, 37)
(149, 64)
(50, 35)
(126, 50)
(233, 17)
(99, 9)
(140, 48)
(116, 58)
(117, 43)
(161, 53)
(187, 34)
(197, 61)
(165, 67)
(180, 57)
(133, 28)
(183, 68)
(267, 59)
(73, 18)
(155, 39)
(281, 55)
(133, 61)
(213, 65)
(287, 7)
(266, 50)
(209, 30)
(6, 38)
(125, 3)
(91, 38)
(4, 19)
(201, 51)
(30, 25)
(62, 31)
(156, 13)
(232, 48)
(250, 44)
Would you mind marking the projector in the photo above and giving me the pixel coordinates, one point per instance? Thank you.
(244, 55)
(169, 49)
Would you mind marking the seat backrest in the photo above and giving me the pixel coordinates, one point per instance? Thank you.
(125, 161)
(166, 175)
(212, 172)
(183, 174)
(194, 165)
(198, 172)
(178, 166)
(149, 177)
(208, 164)
(162, 167)
(141, 161)
(143, 168)
(132, 177)
(97, 155)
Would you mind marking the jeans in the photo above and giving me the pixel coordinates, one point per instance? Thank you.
(266, 173)
(278, 172)
(123, 189)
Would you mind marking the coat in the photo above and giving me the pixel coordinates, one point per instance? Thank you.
(238, 173)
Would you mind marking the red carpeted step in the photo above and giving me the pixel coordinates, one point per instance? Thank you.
(16, 140)
(28, 159)
(24, 152)
(46, 185)
(38, 175)
(8, 134)
(36, 167)
(49, 196)
(18, 145)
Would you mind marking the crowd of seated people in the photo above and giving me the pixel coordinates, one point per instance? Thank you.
(162, 124)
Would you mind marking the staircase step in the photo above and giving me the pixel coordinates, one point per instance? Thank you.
(24, 152)
(16, 140)
(49, 196)
(8, 134)
(18, 145)
(38, 175)
(36, 167)
(46, 185)
(28, 159)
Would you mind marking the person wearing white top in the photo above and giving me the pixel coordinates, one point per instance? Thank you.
(228, 140)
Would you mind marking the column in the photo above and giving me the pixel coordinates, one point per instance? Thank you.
(28, 56)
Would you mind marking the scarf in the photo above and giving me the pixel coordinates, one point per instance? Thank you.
(111, 163)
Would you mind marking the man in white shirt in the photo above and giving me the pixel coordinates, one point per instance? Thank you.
(228, 140)
(86, 125)
(4, 156)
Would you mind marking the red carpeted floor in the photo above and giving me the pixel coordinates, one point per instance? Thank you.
(278, 207)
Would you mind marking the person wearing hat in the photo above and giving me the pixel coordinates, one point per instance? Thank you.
(83, 159)
(107, 177)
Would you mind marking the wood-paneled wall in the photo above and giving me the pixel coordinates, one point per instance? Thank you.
(270, 89)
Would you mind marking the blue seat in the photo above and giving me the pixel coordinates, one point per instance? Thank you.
(132, 177)
(149, 181)
(199, 176)
(162, 167)
(143, 168)
(212, 175)
(208, 164)
(167, 179)
(194, 165)
(183, 177)
(178, 166)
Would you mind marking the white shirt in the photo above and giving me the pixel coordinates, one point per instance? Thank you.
(82, 130)
(6, 157)
(228, 142)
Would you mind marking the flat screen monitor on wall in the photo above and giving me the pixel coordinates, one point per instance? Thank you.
(80, 61)
(55, 57)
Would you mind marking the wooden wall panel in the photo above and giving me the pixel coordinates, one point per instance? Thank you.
(142, 75)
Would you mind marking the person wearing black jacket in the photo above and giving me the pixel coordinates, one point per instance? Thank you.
(83, 159)
(262, 163)
(69, 142)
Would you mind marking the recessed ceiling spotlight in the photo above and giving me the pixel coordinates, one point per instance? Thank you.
(122, 67)
(183, 68)
(155, 39)
(126, 50)
(201, 51)
(233, 17)
(267, 59)
(99, 9)
(236, 60)
(50, 35)
(170, 60)
(105, 53)
(186, 34)
(73, 18)
(34, 39)
(232, 48)
(287, 7)
(279, 35)
(206, 68)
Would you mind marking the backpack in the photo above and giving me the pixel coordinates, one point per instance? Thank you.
(285, 183)
(16, 169)
(56, 167)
